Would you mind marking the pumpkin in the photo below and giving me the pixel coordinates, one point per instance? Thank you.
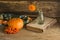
(1, 21)
(4, 22)
(14, 25)
(32, 7)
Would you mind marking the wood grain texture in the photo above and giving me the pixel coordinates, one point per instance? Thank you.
(29, 0)
(50, 8)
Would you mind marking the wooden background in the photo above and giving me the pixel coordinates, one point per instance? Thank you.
(29, 0)
(50, 8)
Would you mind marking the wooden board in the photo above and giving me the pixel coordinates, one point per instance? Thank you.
(49, 8)
(34, 26)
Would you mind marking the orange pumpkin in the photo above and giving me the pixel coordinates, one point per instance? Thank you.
(1, 21)
(4, 22)
(14, 25)
(32, 7)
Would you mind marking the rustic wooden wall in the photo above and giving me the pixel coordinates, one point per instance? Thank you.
(50, 8)
(29, 0)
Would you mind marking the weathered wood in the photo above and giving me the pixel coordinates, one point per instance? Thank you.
(29, 0)
(50, 8)
(34, 26)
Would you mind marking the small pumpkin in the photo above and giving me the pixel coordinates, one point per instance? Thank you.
(4, 22)
(1, 21)
(14, 25)
(32, 7)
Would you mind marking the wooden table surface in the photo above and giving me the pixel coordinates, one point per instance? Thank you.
(52, 33)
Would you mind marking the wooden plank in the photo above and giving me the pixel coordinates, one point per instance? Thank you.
(29, 0)
(34, 26)
(49, 8)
